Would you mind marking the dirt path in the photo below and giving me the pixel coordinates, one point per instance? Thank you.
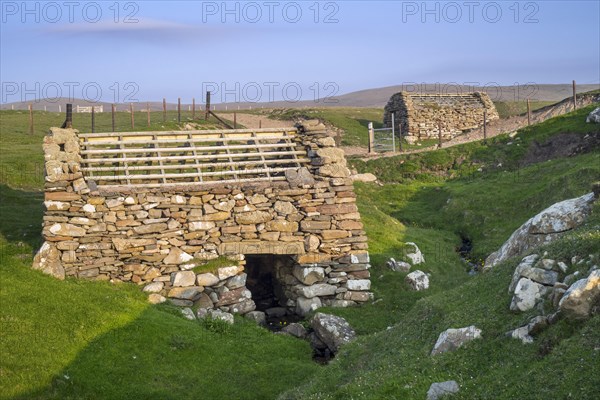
(254, 121)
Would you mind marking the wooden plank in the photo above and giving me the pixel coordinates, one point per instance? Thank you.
(262, 157)
(206, 165)
(198, 169)
(230, 159)
(125, 165)
(200, 157)
(186, 138)
(194, 132)
(180, 149)
(160, 163)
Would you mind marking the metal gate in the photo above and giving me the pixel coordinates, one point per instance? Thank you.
(382, 140)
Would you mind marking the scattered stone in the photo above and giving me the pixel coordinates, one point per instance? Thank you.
(47, 260)
(257, 316)
(415, 257)
(521, 333)
(582, 298)
(594, 116)
(526, 262)
(188, 313)
(296, 330)
(156, 298)
(438, 390)
(539, 275)
(305, 306)
(366, 177)
(398, 266)
(452, 339)
(332, 330)
(527, 294)
(223, 316)
(418, 280)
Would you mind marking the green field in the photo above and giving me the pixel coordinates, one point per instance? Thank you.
(83, 340)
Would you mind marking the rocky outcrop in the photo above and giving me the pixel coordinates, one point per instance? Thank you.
(545, 227)
(332, 330)
(582, 298)
(398, 266)
(594, 117)
(437, 390)
(452, 339)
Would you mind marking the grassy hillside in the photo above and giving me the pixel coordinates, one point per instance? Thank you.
(80, 340)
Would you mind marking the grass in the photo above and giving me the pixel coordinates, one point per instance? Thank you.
(79, 339)
(212, 265)
(507, 109)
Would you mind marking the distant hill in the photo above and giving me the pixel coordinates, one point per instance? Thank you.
(377, 97)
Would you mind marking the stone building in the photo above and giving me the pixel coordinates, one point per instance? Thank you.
(418, 116)
(273, 210)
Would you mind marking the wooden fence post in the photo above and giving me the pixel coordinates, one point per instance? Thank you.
(528, 112)
(574, 97)
(164, 110)
(484, 126)
(132, 117)
(234, 120)
(193, 108)
(179, 109)
(93, 119)
(207, 106)
(400, 135)
(439, 134)
(259, 123)
(30, 119)
(69, 117)
(371, 139)
(113, 110)
(148, 113)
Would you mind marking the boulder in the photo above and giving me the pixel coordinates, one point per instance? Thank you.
(257, 316)
(525, 263)
(594, 117)
(438, 390)
(398, 266)
(418, 280)
(47, 260)
(415, 256)
(543, 228)
(582, 298)
(452, 339)
(304, 306)
(540, 275)
(527, 294)
(367, 177)
(332, 330)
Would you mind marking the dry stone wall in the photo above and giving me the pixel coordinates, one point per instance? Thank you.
(157, 237)
(417, 116)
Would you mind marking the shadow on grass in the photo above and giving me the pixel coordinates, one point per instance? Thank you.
(163, 356)
(21, 215)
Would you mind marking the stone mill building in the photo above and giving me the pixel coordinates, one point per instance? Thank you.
(419, 116)
(223, 219)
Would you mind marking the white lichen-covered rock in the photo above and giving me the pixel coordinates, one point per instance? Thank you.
(527, 294)
(177, 256)
(522, 334)
(526, 262)
(398, 266)
(154, 287)
(332, 330)
(594, 116)
(188, 313)
(305, 306)
(309, 275)
(183, 278)
(452, 339)
(203, 313)
(414, 256)
(582, 297)
(366, 177)
(48, 261)
(156, 298)
(318, 289)
(257, 316)
(359, 284)
(418, 280)
(544, 228)
(438, 390)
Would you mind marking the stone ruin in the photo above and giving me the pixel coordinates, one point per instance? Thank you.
(233, 220)
(418, 116)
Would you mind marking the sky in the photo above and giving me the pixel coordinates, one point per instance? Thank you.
(287, 50)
